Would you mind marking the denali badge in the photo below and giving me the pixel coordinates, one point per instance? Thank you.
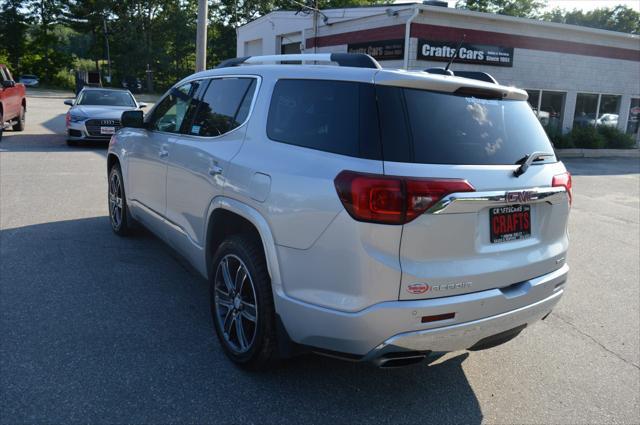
(521, 196)
(418, 288)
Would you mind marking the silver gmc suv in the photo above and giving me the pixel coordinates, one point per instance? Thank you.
(349, 210)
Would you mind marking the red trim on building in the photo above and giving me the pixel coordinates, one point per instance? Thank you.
(442, 33)
(392, 32)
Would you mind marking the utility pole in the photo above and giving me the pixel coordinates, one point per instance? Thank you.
(106, 38)
(201, 36)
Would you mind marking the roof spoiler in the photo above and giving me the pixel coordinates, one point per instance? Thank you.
(473, 75)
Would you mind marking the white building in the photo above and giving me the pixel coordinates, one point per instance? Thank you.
(574, 75)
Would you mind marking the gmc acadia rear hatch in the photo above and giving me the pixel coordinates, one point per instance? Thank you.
(499, 229)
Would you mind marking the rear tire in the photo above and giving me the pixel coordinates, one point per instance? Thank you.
(19, 126)
(242, 303)
(117, 202)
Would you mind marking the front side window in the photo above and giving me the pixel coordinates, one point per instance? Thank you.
(170, 113)
(443, 128)
(105, 98)
(223, 107)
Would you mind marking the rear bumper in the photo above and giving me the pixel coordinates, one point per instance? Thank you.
(397, 326)
(465, 335)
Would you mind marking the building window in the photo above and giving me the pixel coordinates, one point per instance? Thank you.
(586, 110)
(609, 110)
(290, 49)
(634, 117)
(548, 107)
(596, 109)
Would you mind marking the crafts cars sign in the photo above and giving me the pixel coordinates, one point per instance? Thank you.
(481, 54)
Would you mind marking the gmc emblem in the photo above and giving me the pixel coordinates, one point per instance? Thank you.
(522, 196)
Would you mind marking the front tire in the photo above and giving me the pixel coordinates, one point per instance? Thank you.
(19, 126)
(118, 212)
(242, 303)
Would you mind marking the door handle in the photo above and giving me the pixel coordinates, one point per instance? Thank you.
(215, 170)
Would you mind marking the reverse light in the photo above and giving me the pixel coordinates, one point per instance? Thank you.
(392, 200)
(564, 180)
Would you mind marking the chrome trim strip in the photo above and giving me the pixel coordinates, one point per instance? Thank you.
(468, 202)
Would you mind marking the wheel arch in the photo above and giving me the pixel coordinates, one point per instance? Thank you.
(112, 159)
(228, 216)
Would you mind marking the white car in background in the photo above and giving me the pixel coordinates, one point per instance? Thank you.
(609, 120)
(95, 113)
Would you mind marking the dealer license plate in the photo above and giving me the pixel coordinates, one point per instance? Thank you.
(510, 223)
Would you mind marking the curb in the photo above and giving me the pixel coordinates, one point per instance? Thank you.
(598, 153)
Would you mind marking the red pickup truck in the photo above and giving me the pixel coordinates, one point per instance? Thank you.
(13, 103)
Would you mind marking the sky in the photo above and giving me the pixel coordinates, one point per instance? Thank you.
(591, 4)
(574, 4)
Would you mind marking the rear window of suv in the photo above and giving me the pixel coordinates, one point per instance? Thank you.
(443, 128)
(331, 116)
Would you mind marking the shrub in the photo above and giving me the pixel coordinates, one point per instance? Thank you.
(616, 139)
(587, 137)
(559, 140)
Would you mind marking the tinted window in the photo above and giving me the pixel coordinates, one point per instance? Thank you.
(442, 128)
(331, 116)
(224, 106)
(105, 98)
(170, 113)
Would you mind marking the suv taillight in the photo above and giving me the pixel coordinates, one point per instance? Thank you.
(392, 200)
(563, 180)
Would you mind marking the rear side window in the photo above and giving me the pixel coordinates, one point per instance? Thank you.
(223, 107)
(442, 128)
(331, 116)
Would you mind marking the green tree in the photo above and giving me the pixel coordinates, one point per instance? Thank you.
(520, 8)
(619, 18)
(13, 27)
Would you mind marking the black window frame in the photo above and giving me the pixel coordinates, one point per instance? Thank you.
(368, 147)
(199, 95)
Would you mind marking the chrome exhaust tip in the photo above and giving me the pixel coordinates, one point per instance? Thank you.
(399, 359)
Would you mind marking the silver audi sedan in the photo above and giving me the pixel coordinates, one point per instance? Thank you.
(95, 113)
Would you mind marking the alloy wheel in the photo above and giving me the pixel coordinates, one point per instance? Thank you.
(236, 303)
(115, 200)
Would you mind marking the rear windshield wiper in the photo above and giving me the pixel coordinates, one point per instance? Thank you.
(527, 160)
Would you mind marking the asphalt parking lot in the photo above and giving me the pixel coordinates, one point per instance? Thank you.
(100, 329)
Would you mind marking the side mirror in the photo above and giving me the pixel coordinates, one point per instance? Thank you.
(142, 105)
(8, 83)
(134, 119)
(68, 102)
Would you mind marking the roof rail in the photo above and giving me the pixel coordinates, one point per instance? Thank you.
(474, 75)
(356, 60)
